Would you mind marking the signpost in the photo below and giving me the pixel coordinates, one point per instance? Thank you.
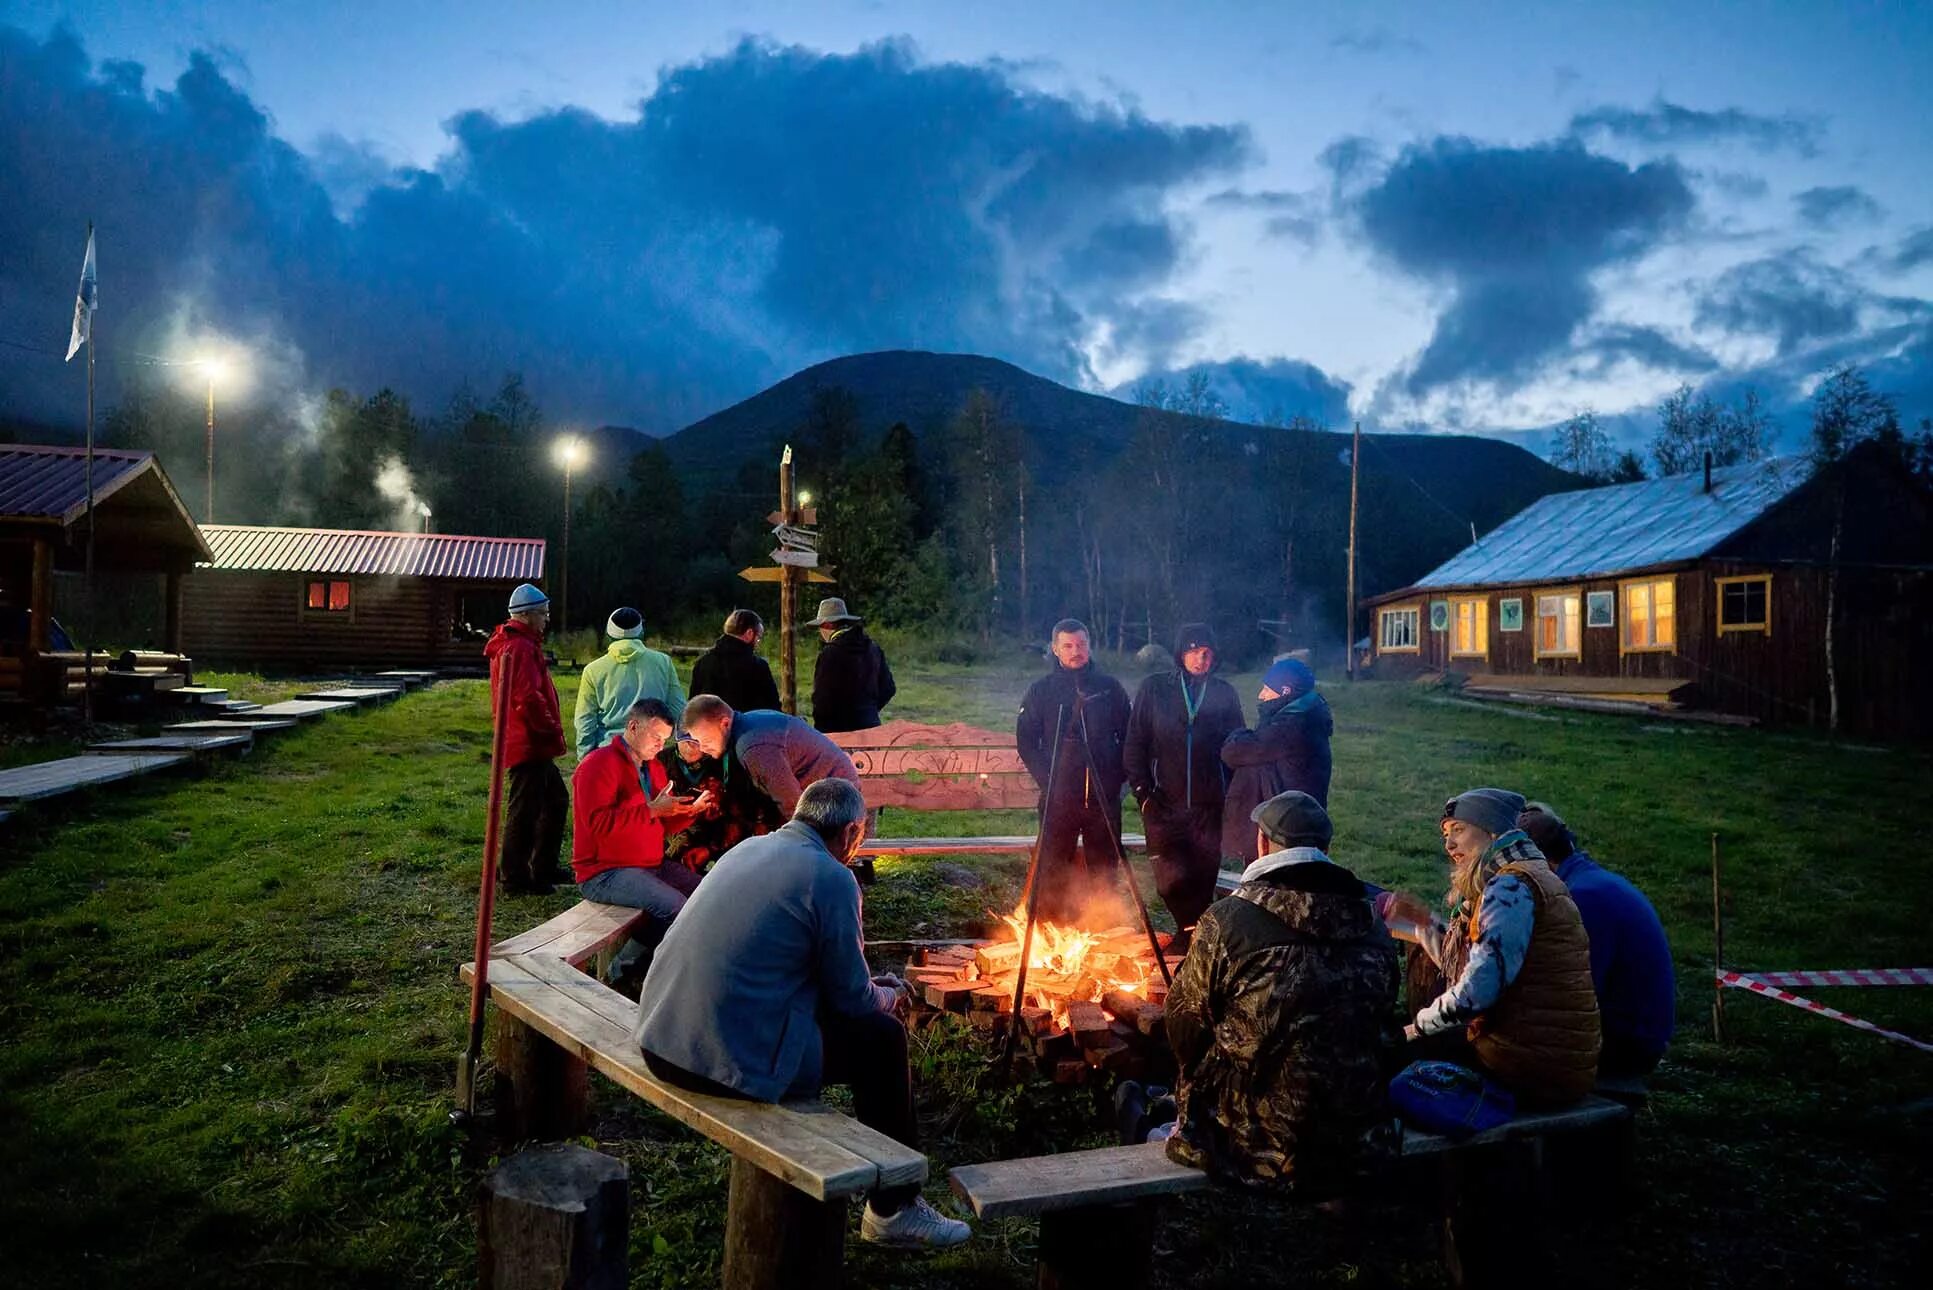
(795, 562)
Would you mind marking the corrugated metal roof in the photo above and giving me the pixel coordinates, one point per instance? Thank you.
(39, 481)
(351, 551)
(1598, 531)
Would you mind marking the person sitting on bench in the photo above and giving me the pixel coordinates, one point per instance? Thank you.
(1283, 1020)
(780, 754)
(618, 833)
(761, 991)
(1637, 990)
(1519, 1004)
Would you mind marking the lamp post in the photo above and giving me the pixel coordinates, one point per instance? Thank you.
(570, 452)
(213, 369)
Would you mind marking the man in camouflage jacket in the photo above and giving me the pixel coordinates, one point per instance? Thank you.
(1282, 1019)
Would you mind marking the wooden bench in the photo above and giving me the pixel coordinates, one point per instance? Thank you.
(795, 1165)
(953, 767)
(1097, 1226)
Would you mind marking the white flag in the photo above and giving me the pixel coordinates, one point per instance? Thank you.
(84, 302)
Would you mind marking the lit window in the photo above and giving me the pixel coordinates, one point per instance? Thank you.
(1397, 629)
(1470, 628)
(1557, 614)
(1745, 604)
(328, 596)
(1650, 614)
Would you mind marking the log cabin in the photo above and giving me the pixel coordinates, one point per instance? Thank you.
(1767, 590)
(290, 599)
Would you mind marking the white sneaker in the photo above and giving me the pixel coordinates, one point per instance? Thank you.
(917, 1225)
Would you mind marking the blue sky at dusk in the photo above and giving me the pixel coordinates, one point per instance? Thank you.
(1454, 215)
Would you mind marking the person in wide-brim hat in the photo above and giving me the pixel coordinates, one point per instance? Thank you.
(832, 612)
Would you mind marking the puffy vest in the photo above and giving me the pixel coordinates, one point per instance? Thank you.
(1541, 1036)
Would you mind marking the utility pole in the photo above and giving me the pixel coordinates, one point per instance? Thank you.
(789, 576)
(1355, 478)
(209, 510)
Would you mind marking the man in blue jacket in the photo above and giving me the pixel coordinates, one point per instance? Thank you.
(761, 991)
(1637, 991)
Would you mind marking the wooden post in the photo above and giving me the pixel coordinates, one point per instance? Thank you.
(1718, 949)
(555, 1218)
(40, 607)
(779, 1238)
(171, 629)
(788, 598)
(1096, 1247)
(543, 1092)
(1349, 634)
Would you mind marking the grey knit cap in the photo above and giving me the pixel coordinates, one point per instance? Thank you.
(1494, 810)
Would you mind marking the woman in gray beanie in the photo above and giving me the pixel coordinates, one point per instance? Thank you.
(1514, 952)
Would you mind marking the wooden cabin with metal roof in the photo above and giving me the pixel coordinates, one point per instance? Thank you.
(1767, 590)
(141, 531)
(302, 599)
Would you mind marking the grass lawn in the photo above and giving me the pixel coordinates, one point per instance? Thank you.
(232, 1019)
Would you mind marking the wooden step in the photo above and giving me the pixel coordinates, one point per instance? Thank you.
(52, 778)
(354, 694)
(191, 694)
(194, 742)
(249, 722)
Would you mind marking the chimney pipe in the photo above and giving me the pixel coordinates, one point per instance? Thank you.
(1708, 470)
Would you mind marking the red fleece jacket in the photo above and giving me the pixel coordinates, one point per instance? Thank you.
(611, 812)
(533, 724)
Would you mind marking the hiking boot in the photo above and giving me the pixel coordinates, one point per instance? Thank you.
(917, 1225)
(1131, 1112)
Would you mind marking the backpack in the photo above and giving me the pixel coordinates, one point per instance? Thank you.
(1453, 1100)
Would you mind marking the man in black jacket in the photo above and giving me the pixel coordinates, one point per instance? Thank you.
(1287, 750)
(1173, 760)
(850, 682)
(732, 670)
(1080, 800)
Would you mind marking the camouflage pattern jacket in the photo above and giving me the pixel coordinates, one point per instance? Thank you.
(1282, 1021)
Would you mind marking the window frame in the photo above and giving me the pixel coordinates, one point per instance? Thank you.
(1502, 624)
(1537, 650)
(1415, 609)
(347, 614)
(1594, 598)
(1718, 604)
(1479, 618)
(1624, 609)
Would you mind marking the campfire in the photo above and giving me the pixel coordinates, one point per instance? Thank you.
(1094, 993)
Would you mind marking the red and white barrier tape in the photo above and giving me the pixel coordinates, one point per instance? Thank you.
(1849, 976)
(1740, 981)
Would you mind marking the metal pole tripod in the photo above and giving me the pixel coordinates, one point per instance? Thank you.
(1032, 900)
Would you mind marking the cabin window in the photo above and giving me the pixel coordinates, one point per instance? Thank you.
(1470, 628)
(1745, 604)
(328, 596)
(1396, 630)
(1650, 614)
(1558, 614)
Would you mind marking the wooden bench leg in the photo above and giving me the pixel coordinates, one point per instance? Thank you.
(1494, 1211)
(1097, 1247)
(779, 1238)
(543, 1092)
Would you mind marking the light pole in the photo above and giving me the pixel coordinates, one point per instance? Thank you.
(214, 369)
(570, 452)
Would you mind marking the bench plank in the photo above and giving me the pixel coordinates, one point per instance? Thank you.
(1591, 1111)
(773, 1138)
(967, 846)
(1073, 1180)
(577, 935)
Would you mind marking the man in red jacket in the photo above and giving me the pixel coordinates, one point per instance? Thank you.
(533, 738)
(617, 844)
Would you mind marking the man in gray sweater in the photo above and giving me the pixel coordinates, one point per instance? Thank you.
(761, 990)
(780, 754)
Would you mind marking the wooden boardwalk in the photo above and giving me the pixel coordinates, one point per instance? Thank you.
(52, 778)
(253, 722)
(356, 694)
(299, 709)
(404, 677)
(238, 742)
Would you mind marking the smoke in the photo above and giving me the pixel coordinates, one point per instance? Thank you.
(398, 487)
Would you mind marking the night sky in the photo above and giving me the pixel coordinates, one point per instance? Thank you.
(1458, 216)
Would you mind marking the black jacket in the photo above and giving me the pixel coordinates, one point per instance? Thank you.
(734, 672)
(1172, 763)
(1288, 749)
(850, 682)
(1104, 704)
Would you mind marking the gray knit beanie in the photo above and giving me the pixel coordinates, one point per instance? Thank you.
(1494, 810)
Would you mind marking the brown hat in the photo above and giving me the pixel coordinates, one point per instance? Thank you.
(832, 610)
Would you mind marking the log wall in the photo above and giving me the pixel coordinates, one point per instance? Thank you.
(260, 620)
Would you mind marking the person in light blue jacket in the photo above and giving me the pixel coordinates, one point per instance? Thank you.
(628, 672)
(761, 991)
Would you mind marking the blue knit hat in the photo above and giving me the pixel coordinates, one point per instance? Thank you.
(1289, 676)
(526, 598)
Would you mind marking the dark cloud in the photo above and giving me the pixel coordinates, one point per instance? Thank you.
(1735, 183)
(1515, 235)
(1670, 125)
(1916, 249)
(1263, 390)
(1376, 40)
(1616, 343)
(1824, 208)
(1296, 216)
(766, 208)
(1791, 297)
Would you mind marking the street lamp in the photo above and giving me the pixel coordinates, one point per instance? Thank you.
(213, 368)
(570, 452)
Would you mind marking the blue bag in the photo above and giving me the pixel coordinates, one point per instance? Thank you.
(1453, 1100)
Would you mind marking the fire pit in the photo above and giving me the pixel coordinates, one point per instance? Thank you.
(1094, 995)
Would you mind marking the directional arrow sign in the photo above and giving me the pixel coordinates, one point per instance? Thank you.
(807, 515)
(772, 573)
(797, 559)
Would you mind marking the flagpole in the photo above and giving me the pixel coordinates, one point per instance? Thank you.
(87, 678)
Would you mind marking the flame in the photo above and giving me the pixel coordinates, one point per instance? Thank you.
(1063, 951)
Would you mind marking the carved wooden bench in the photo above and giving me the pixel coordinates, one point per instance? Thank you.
(795, 1165)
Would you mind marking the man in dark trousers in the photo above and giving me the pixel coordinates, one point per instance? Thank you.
(1080, 801)
(1287, 751)
(1173, 760)
(533, 738)
(850, 682)
(775, 753)
(732, 669)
